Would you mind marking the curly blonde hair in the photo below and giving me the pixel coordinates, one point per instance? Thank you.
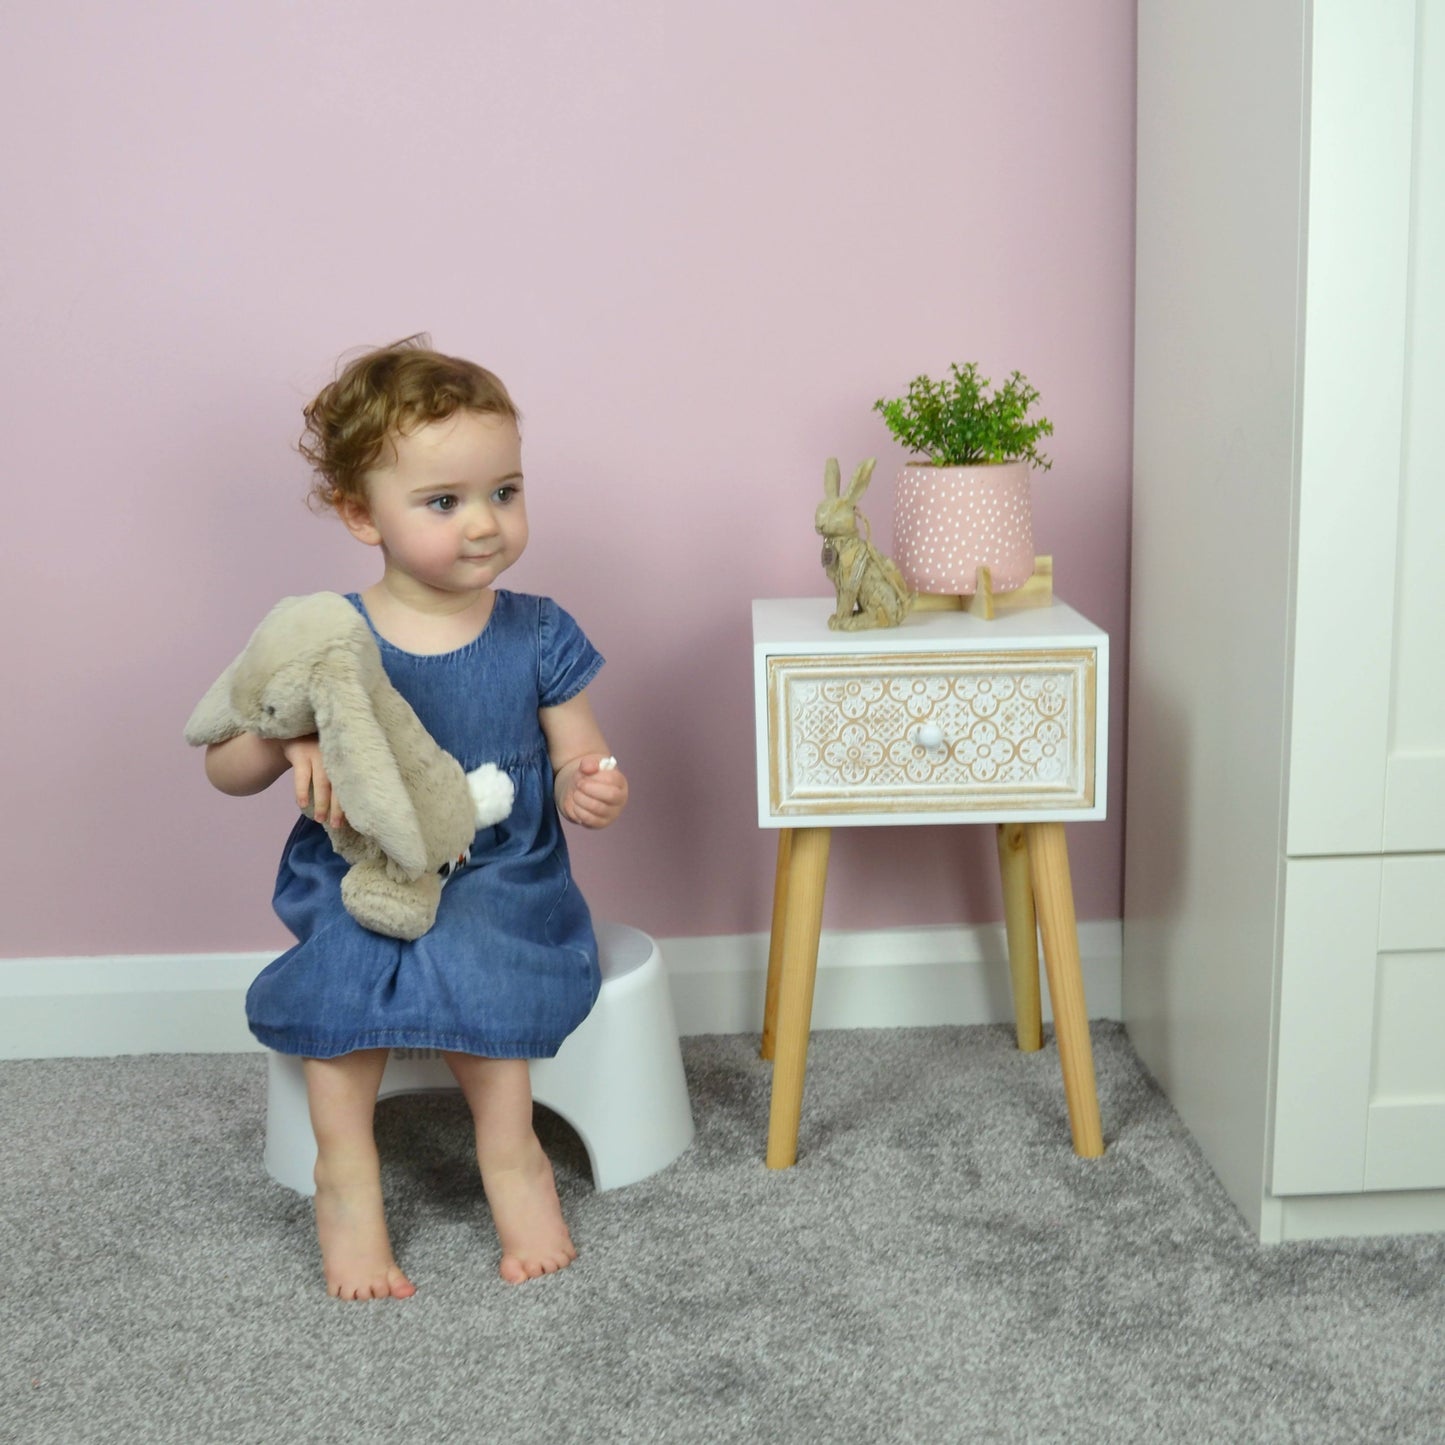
(388, 393)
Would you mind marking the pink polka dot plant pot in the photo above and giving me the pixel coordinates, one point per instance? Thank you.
(950, 521)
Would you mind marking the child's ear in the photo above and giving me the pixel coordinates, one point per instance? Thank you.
(357, 517)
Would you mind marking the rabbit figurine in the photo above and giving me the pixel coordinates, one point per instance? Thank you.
(871, 590)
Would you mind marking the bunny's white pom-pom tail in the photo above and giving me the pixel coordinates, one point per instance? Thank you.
(492, 794)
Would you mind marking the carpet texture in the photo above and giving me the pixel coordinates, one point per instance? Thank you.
(938, 1267)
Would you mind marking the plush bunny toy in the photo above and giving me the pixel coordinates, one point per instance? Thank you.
(312, 666)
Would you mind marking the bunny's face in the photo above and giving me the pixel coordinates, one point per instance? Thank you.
(304, 645)
(835, 517)
(275, 703)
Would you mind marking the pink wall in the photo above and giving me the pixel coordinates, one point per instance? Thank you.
(696, 240)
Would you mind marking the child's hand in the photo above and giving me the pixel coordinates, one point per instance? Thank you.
(592, 792)
(309, 776)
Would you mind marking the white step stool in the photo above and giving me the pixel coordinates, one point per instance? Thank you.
(617, 1079)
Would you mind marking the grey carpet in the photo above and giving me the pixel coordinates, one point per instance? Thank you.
(938, 1267)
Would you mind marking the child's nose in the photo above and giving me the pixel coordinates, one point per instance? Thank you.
(481, 522)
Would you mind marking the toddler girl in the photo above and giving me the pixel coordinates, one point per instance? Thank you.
(420, 456)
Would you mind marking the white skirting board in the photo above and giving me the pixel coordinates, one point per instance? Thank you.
(889, 978)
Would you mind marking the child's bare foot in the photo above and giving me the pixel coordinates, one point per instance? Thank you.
(528, 1215)
(355, 1250)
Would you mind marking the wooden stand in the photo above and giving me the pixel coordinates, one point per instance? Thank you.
(1035, 864)
(1022, 929)
(1038, 591)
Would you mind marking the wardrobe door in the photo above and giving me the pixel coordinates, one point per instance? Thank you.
(1356, 301)
(1415, 760)
(1405, 1125)
(1360, 1097)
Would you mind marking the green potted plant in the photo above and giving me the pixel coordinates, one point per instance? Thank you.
(963, 502)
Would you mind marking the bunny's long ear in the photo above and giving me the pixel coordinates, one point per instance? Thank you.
(831, 477)
(861, 478)
(363, 769)
(214, 719)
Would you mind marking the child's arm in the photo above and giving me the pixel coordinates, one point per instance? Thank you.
(248, 764)
(586, 793)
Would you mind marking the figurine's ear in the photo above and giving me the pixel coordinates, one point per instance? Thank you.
(861, 478)
(363, 769)
(831, 477)
(215, 720)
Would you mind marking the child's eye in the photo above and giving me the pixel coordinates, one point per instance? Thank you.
(503, 495)
(442, 504)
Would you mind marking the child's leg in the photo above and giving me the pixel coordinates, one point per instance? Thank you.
(350, 1221)
(516, 1173)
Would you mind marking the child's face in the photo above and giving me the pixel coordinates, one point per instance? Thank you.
(448, 511)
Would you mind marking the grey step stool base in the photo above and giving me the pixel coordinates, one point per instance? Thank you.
(617, 1080)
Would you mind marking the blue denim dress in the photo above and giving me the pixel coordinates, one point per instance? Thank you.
(509, 969)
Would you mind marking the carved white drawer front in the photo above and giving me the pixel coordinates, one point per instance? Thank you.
(931, 732)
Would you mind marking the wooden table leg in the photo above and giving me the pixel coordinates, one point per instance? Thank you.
(775, 943)
(1054, 896)
(1021, 924)
(802, 923)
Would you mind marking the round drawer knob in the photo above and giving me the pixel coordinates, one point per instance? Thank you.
(929, 736)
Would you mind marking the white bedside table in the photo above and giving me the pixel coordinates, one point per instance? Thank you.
(946, 719)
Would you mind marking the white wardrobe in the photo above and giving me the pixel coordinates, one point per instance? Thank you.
(1284, 941)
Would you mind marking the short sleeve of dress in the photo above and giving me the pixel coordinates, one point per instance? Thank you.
(567, 662)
